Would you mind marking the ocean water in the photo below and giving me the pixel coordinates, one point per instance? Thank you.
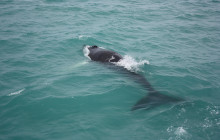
(50, 90)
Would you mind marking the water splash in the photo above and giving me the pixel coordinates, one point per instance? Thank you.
(86, 51)
(131, 64)
(180, 131)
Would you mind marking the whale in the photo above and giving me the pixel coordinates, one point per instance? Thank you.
(152, 99)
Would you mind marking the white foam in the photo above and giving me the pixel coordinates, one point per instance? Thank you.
(180, 131)
(86, 51)
(131, 64)
(170, 129)
(80, 36)
(15, 93)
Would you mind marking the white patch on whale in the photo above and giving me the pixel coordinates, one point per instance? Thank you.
(112, 58)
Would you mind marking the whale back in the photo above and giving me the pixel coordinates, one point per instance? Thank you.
(103, 55)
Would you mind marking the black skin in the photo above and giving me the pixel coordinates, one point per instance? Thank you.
(153, 98)
(103, 55)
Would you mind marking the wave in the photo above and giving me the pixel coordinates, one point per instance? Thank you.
(83, 37)
(15, 93)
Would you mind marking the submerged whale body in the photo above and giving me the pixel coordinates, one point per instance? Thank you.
(152, 99)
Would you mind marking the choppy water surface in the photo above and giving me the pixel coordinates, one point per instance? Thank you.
(50, 90)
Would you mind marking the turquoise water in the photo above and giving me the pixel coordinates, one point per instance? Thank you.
(50, 90)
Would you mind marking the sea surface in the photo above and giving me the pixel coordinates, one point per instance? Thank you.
(49, 90)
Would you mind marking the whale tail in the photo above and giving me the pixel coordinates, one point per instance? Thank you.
(154, 99)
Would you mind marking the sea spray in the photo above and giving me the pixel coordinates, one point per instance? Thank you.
(131, 64)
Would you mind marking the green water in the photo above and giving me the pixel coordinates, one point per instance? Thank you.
(50, 90)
